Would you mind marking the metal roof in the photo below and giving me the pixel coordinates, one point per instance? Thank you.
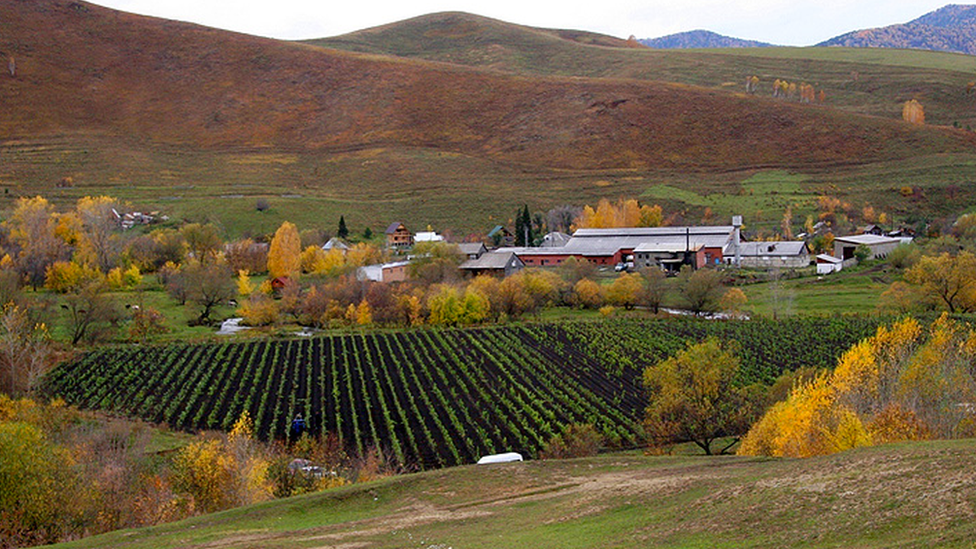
(491, 260)
(779, 249)
(866, 239)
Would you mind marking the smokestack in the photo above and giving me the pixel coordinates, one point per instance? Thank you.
(737, 225)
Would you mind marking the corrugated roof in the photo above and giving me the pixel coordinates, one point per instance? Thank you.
(491, 260)
(866, 239)
(468, 248)
(780, 248)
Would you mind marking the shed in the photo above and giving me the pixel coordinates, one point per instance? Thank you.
(335, 243)
(827, 264)
(790, 254)
(472, 250)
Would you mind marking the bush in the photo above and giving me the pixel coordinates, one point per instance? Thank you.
(576, 440)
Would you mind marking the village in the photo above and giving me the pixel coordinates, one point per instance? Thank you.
(627, 249)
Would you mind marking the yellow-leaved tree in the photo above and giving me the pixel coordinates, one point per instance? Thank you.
(901, 384)
(285, 252)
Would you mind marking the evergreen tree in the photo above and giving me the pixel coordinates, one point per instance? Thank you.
(368, 234)
(343, 232)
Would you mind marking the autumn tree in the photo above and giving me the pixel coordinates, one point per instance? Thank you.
(284, 255)
(693, 397)
(900, 384)
(32, 227)
(623, 213)
(208, 285)
(700, 289)
(587, 294)
(913, 112)
(625, 291)
(146, 323)
(435, 262)
(26, 351)
(561, 218)
(202, 241)
(90, 313)
(947, 279)
(100, 244)
(655, 288)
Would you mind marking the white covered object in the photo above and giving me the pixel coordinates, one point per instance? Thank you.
(500, 458)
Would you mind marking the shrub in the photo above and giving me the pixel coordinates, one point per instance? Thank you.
(576, 440)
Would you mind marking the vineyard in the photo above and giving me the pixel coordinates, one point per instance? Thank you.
(433, 397)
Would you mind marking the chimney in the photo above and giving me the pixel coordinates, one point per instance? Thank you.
(737, 225)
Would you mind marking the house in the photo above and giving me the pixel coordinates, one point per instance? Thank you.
(555, 240)
(472, 250)
(827, 264)
(398, 236)
(335, 243)
(880, 246)
(872, 229)
(428, 236)
(501, 236)
(385, 272)
(493, 263)
(789, 254)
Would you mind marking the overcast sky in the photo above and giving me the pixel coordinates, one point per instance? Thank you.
(787, 22)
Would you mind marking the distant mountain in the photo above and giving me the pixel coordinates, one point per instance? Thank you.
(700, 39)
(951, 28)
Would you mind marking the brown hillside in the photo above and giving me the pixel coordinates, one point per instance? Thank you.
(82, 68)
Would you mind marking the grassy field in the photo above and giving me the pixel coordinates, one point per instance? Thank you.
(852, 291)
(875, 497)
(224, 120)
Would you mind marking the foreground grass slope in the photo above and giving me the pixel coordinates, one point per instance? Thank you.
(909, 495)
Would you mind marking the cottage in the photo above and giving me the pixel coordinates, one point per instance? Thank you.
(398, 236)
(493, 263)
(472, 250)
(501, 236)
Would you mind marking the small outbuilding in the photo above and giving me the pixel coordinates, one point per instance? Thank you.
(827, 264)
(493, 263)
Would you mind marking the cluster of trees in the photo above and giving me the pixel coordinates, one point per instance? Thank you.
(804, 92)
(65, 474)
(623, 213)
(901, 384)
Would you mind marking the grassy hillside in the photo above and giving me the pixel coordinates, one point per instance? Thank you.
(200, 123)
(866, 81)
(909, 495)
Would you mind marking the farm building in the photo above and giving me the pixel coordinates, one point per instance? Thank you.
(386, 272)
(398, 236)
(555, 240)
(880, 246)
(493, 263)
(613, 246)
(335, 243)
(768, 255)
(472, 250)
(652, 254)
(428, 236)
(501, 236)
(827, 264)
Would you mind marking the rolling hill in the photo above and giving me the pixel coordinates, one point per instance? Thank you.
(951, 28)
(872, 497)
(700, 39)
(192, 119)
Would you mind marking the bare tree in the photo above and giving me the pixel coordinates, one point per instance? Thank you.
(208, 285)
(90, 313)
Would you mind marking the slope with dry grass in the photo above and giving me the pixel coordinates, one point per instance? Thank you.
(909, 495)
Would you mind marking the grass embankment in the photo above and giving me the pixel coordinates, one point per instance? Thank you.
(906, 495)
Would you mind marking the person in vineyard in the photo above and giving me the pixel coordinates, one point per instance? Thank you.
(297, 428)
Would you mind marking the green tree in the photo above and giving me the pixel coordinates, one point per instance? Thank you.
(342, 231)
(701, 290)
(693, 397)
(947, 279)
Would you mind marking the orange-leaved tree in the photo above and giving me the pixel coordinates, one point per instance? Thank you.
(285, 252)
(900, 384)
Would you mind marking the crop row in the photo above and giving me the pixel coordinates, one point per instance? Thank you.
(433, 397)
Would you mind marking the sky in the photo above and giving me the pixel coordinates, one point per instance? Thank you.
(785, 22)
